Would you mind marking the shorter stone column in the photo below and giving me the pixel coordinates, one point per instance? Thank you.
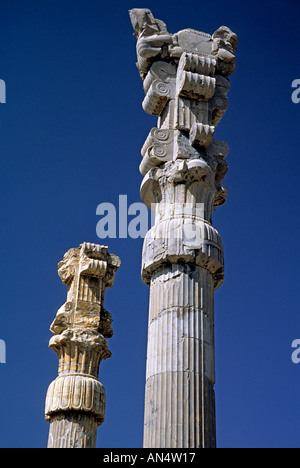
(75, 402)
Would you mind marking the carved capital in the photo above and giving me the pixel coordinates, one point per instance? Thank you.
(202, 65)
(80, 329)
(157, 97)
(186, 86)
(88, 271)
(201, 135)
(158, 148)
(80, 350)
(195, 86)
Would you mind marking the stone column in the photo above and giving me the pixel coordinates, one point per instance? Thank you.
(75, 402)
(185, 78)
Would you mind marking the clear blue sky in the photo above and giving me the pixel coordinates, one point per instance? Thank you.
(70, 138)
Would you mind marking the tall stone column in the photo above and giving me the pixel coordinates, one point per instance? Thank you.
(185, 78)
(75, 402)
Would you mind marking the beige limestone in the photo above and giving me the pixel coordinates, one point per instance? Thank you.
(75, 402)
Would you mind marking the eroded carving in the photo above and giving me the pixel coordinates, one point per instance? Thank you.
(185, 78)
(80, 330)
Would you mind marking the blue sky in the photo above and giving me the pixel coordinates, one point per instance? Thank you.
(70, 138)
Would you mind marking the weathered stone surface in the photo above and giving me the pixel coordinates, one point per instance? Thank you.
(154, 42)
(179, 406)
(75, 402)
(88, 271)
(73, 430)
(185, 78)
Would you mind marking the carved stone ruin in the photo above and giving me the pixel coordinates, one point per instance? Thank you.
(75, 402)
(185, 78)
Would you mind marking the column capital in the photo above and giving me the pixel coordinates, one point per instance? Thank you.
(80, 329)
(88, 271)
(185, 78)
(155, 42)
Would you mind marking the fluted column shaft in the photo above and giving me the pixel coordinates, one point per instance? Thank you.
(179, 402)
(73, 430)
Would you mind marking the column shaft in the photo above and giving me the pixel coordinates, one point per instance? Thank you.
(76, 430)
(179, 402)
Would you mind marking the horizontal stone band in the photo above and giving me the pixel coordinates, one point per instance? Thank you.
(172, 241)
